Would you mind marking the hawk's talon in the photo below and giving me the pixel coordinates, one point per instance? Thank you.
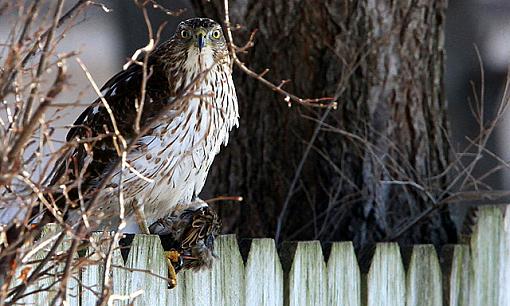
(173, 255)
(174, 262)
(190, 233)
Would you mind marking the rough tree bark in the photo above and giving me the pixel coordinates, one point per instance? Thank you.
(383, 60)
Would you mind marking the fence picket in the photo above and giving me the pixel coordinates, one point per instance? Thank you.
(459, 276)
(424, 286)
(92, 275)
(43, 297)
(504, 281)
(486, 257)
(227, 273)
(344, 282)
(477, 274)
(308, 276)
(264, 275)
(146, 254)
(53, 274)
(121, 280)
(196, 288)
(386, 277)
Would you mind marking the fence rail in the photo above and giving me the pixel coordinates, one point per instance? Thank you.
(474, 274)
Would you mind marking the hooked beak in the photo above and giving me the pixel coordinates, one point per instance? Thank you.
(200, 41)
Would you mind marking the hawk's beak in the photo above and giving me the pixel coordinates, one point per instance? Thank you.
(201, 40)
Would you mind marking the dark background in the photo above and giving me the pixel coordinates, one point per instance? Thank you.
(470, 24)
(106, 40)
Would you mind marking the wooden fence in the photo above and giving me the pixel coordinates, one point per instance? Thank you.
(471, 274)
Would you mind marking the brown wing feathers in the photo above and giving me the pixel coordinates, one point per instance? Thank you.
(95, 123)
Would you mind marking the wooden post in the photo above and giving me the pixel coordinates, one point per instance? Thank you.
(458, 279)
(486, 258)
(92, 275)
(264, 275)
(386, 277)
(146, 255)
(227, 273)
(344, 282)
(45, 296)
(195, 287)
(504, 297)
(307, 282)
(424, 282)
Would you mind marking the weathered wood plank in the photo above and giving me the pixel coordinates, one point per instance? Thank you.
(221, 285)
(195, 288)
(46, 281)
(54, 273)
(424, 279)
(41, 298)
(73, 285)
(176, 295)
(344, 281)
(120, 282)
(92, 275)
(458, 279)
(227, 273)
(146, 255)
(487, 251)
(386, 277)
(479, 274)
(308, 276)
(504, 297)
(264, 275)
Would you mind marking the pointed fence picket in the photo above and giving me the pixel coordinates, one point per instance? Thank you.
(263, 275)
(474, 274)
(386, 278)
(424, 269)
(344, 280)
(458, 278)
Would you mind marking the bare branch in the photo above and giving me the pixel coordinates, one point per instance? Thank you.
(324, 102)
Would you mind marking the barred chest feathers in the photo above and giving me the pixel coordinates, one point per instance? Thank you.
(177, 156)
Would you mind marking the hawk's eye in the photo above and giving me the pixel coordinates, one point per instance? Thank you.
(185, 34)
(216, 34)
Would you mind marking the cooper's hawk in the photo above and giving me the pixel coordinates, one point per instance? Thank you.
(168, 166)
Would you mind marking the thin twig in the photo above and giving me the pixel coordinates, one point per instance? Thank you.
(28, 129)
(324, 102)
(297, 174)
(70, 13)
(42, 63)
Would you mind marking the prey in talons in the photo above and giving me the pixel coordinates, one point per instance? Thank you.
(188, 239)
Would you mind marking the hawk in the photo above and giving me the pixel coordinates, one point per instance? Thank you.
(168, 165)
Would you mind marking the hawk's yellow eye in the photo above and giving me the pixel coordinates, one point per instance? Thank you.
(185, 34)
(216, 34)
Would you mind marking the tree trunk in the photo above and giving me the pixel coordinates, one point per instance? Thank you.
(379, 160)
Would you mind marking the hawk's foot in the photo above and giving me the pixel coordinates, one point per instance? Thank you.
(174, 263)
(192, 233)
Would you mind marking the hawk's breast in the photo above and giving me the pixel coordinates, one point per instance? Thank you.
(178, 154)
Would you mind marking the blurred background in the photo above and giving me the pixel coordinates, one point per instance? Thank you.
(482, 24)
(107, 39)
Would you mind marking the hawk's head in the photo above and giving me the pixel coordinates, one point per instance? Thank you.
(200, 35)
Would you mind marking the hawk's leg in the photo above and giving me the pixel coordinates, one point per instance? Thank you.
(173, 258)
(141, 220)
(190, 231)
(174, 262)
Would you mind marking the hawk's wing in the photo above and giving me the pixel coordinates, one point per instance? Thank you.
(95, 130)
